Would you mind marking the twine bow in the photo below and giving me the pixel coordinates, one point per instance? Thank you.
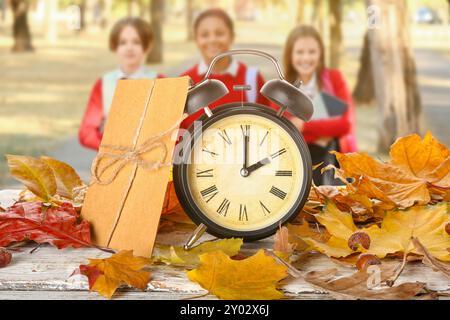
(126, 155)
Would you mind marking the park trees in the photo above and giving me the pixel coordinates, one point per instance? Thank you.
(21, 29)
(387, 71)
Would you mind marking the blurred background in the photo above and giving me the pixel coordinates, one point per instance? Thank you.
(395, 56)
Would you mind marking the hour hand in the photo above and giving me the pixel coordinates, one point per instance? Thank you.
(258, 165)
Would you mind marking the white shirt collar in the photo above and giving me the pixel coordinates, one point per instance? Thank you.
(232, 68)
(138, 74)
(310, 88)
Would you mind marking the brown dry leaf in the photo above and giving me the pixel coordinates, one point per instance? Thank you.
(362, 284)
(297, 232)
(254, 278)
(190, 258)
(281, 245)
(66, 177)
(34, 173)
(418, 168)
(106, 275)
(429, 260)
(398, 227)
(360, 205)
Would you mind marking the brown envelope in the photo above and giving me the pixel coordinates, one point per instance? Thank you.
(125, 213)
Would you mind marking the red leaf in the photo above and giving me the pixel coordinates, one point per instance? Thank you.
(57, 226)
(92, 273)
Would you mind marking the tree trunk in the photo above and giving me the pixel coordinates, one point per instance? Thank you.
(316, 14)
(300, 17)
(448, 11)
(335, 8)
(190, 19)
(21, 30)
(394, 72)
(364, 91)
(157, 16)
(83, 10)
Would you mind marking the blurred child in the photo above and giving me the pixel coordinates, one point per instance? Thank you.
(131, 39)
(214, 34)
(304, 60)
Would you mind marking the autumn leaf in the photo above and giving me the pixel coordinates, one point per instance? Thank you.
(181, 257)
(427, 223)
(345, 198)
(66, 177)
(106, 275)
(253, 278)
(35, 174)
(297, 232)
(358, 285)
(281, 245)
(427, 159)
(56, 225)
(417, 170)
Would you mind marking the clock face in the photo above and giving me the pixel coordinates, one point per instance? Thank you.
(246, 172)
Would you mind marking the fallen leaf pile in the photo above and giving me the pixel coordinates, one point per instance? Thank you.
(426, 223)
(106, 275)
(417, 173)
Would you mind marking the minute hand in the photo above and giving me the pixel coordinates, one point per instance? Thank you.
(258, 164)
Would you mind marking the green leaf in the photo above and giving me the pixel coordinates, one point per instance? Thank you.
(34, 173)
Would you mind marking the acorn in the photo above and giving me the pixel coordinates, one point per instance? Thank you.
(365, 260)
(359, 239)
(5, 257)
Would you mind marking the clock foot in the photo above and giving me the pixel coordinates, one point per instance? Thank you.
(198, 232)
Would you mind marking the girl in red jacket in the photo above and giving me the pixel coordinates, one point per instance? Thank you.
(214, 34)
(304, 60)
(131, 39)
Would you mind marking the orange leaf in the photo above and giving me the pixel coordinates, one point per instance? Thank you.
(417, 170)
(106, 275)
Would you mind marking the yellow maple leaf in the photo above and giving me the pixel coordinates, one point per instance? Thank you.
(106, 275)
(181, 257)
(427, 223)
(416, 169)
(254, 278)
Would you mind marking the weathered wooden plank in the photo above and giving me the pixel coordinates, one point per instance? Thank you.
(49, 269)
(46, 274)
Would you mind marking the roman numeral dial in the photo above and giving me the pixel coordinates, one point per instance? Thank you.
(272, 179)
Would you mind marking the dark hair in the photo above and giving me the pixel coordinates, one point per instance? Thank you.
(142, 27)
(217, 13)
(302, 31)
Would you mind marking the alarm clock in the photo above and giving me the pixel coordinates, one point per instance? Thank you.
(243, 169)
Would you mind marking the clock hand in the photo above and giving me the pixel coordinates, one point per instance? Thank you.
(258, 165)
(245, 146)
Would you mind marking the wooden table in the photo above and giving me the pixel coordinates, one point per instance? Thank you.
(46, 273)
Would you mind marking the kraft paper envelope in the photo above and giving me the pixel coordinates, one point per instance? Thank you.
(124, 204)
